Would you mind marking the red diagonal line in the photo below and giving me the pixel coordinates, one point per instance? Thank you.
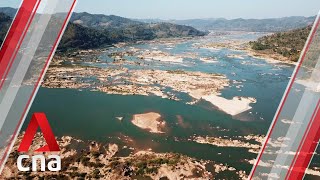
(37, 85)
(15, 36)
(307, 148)
(285, 98)
(302, 140)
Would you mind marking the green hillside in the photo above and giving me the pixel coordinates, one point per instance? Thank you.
(287, 44)
(4, 26)
(87, 31)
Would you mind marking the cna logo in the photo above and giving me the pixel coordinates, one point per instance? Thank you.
(39, 120)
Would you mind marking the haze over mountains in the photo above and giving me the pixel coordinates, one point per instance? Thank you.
(251, 25)
(87, 31)
(92, 30)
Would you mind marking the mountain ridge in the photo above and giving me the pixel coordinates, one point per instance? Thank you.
(88, 31)
(204, 24)
(241, 24)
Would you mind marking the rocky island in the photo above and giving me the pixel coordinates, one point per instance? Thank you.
(150, 121)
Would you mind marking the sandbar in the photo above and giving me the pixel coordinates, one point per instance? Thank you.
(150, 121)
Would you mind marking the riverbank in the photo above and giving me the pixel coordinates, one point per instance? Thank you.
(244, 46)
(240, 142)
(198, 85)
(124, 81)
(100, 161)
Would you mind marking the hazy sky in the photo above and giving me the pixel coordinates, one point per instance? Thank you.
(189, 9)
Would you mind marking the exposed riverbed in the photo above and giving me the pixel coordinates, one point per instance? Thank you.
(217, 101)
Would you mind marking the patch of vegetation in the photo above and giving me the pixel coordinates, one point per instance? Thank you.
(4, 26)
(84, 160)
(176, 71)
(96, 174)
(287, 44)
(96, 154)
(150, 164)
(76, 174)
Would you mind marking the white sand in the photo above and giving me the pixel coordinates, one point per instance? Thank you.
(211, 48)
(233, 106)
(235, 56)
(166, 58)
(161, 56)
(150, 121)
(119, 118)
(208, 60)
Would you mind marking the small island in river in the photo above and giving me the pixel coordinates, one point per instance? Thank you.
(150, 121)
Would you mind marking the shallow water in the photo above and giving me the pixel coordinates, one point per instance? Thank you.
(92, 115)
(249, 77)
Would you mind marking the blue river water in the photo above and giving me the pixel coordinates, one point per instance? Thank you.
(92, 115)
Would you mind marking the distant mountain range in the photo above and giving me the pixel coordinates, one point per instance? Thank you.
(87, 31)
(131, 29)
(254, 25)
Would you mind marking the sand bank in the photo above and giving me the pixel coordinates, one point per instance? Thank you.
(233, 106)
(149, 121)
(241, 45)
(208, 60)
(160, 56)
(239, 142)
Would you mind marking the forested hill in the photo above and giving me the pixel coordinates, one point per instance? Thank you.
(288, 44)
(86, 31)
(4, 25)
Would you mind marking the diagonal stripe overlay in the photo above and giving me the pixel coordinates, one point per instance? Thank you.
(307, 148)
(294, 132)
(15, 36)
(24, 58)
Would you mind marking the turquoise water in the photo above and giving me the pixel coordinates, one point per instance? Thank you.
(262, 80)
(92, 115)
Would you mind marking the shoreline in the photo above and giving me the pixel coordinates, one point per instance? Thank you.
(100, 161)
(137, 82)
(149, 121)
(270, 58)
(234, 106)
(146, 81)
(244, 47)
